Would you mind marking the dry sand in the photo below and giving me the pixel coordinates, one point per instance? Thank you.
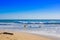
(21, 36)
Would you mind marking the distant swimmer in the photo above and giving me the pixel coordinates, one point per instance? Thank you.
(25, 26)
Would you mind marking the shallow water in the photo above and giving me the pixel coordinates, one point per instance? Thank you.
(41, 29)
(49, 28)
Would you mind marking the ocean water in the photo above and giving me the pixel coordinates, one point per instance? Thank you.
(44, 27)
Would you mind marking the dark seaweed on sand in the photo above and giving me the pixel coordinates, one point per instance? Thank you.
(8, 33)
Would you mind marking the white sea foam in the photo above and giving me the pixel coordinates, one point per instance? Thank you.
(44, 33)
(47, 30)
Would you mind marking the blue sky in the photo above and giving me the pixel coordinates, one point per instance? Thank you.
(29, 9)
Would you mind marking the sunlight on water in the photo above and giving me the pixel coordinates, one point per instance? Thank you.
(50, 28)
(40, 28)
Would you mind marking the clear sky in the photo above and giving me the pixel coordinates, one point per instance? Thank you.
(29, 9)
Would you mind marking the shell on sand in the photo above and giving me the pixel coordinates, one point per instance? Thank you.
(21, 36)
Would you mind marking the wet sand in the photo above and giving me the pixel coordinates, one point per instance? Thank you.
(21, 36)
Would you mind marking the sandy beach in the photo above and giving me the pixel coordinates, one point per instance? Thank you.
(21, 36)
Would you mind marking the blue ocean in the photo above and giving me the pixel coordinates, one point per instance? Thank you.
(48, 26)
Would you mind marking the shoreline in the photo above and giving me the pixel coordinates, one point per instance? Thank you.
(40, 35)
(21, 36)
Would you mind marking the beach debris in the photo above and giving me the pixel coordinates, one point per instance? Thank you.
(7, 33)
